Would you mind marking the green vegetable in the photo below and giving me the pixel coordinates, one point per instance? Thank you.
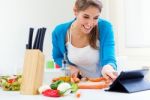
(74, 87)
(55, 84)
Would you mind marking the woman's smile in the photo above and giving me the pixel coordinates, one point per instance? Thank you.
(87, 28)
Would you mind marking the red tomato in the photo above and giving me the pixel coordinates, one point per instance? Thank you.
(11, 80)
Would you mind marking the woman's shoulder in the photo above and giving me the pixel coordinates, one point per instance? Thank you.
(63, 26)
(104, 23)
(104, 26)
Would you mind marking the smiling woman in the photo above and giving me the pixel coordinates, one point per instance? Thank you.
(88, 42)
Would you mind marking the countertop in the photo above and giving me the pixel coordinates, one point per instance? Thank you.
(86, 94)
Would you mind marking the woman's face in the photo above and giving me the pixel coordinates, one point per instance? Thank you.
(87, 19)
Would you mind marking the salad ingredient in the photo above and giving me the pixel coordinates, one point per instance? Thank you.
(54, 85)
(97, 79)
(63, 78)
(78, 95)
(74, 87)
(10, 83)
(43, 88)
(51, 93)
(64, 88)
(93, 85)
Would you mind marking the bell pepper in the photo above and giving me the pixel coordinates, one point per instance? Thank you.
(54, 85)
(54, 93)
(51, 93)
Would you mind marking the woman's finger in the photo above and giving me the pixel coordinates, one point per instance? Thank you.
(109, 80)
(112, 75)
(106, 76)
(115, 73)
(74, 74)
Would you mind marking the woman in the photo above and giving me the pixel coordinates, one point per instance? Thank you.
(88, 42)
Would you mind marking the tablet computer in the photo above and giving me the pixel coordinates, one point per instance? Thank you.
(131, 81)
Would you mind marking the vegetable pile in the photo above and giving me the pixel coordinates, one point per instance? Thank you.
(10, 83)
(65, 85)
(59, 87)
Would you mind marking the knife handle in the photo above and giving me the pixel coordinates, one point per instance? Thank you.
(30, 38)
(42, 39)
(35, 46)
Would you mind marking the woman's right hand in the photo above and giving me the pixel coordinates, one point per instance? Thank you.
(74, 71)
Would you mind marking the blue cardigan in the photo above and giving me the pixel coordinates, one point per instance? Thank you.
(106, 37)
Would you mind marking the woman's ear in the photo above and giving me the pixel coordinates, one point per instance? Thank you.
(75, 11)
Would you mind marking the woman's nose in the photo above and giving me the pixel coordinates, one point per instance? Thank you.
(90, 22)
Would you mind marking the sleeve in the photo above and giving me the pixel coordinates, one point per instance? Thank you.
(109, 48)
(56, 53)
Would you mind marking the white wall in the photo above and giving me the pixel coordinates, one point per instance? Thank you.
(128, 51)
(16, 16)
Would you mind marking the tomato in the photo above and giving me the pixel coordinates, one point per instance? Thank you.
(11, 80)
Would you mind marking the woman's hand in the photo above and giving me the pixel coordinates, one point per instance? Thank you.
(74, 71)
(109, 73)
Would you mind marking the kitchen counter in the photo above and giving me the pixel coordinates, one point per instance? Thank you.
(86, 94)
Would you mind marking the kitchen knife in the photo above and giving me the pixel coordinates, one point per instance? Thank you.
(40, 35)
(30, 38)
(35, 46)
(42, 39)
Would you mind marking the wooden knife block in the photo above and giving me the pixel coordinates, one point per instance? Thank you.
(33, 71)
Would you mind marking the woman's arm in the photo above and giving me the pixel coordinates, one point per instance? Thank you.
(56, 53)
(109, 47)
(108, 58)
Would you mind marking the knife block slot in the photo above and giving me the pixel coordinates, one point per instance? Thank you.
(33, 70)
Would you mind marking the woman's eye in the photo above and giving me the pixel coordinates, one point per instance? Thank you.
(86, 17)
(96, 18)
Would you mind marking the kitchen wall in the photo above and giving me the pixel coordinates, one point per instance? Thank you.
(15, 19)
(18, 15)
(131, 32)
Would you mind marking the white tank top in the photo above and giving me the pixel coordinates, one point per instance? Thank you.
(85, 58)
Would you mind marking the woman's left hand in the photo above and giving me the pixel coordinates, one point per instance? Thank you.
(109, 73)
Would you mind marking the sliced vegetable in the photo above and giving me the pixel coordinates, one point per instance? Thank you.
(78, 95)
(11, 80)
